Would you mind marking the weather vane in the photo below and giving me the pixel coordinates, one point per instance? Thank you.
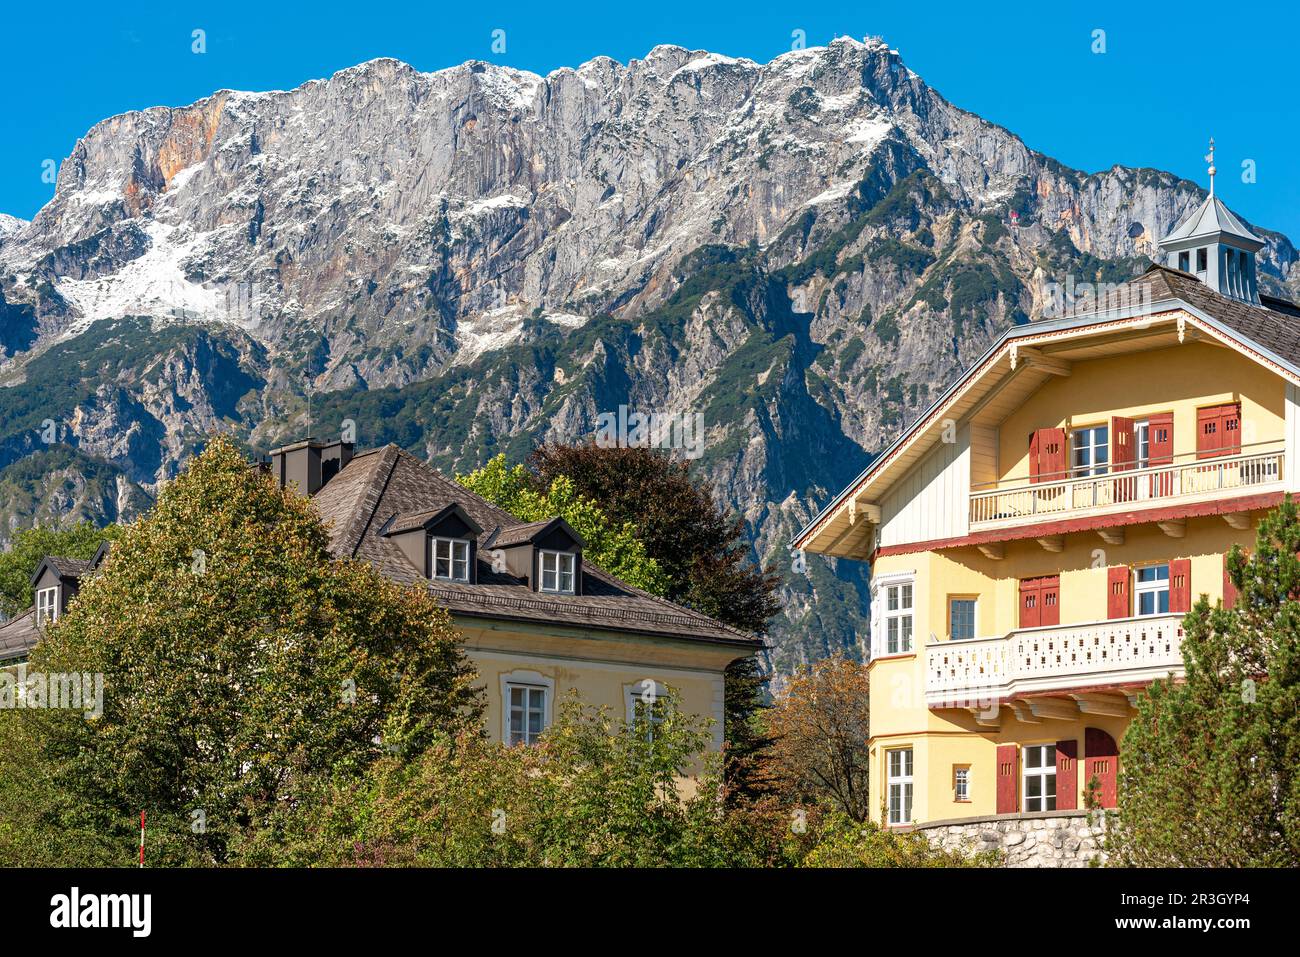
(1209, 158)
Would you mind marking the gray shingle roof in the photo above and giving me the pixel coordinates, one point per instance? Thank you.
(68, 567)
(379, 485)
(19, 635)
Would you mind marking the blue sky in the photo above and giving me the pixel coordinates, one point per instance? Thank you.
(1167, 81)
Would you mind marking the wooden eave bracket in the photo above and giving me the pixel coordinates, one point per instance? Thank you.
(1035, 359)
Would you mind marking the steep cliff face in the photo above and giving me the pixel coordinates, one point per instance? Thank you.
(471, 260)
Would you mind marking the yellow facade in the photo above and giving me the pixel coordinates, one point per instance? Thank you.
(953, 702)
(606, 669)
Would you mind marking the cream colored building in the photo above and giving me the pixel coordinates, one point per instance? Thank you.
(539, 620)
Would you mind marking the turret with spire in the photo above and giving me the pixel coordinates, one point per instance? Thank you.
(1216, 247)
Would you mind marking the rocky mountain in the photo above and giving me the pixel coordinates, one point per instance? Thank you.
(472, 260)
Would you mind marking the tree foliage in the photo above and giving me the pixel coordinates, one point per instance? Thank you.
(820, 726)
(30, 545)
(596, 791)
(700, 548)
(1210, 767)
(611, 544)
(239, 659)
(706, 566)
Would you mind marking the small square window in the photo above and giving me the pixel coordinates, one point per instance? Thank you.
(961, 783)
(558, 572)
(47, 605)
(451, 559)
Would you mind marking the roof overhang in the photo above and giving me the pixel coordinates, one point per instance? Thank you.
(1020, 361)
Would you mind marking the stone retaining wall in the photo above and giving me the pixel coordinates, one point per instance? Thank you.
(1041, 839)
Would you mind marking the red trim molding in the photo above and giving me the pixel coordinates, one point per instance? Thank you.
(1137, 517)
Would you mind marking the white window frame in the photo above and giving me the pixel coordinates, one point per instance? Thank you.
(961, 784)
(558, 572)
(899, 619)
(453, 545)
(1155, 587)
(1041, 773)
(900, 783)
(1141, 443)
(1092, 446)
(634, 694)
(528, 680)
(879, 584)
(47, 605)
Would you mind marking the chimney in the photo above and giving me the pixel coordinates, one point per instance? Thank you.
(309, 464)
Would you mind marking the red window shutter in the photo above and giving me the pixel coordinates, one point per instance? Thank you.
(1123, 456)
(1208, 437)
(1180, 585)
(1049, 600)
(1031, 606)
(1229, 589)
(1160, 451)
(1117, 578)
(1067, 775)
(1123, 453)
(1047, 455)
(1218, 430)
(1230, 429)
(1008, 775)
(1101, 761)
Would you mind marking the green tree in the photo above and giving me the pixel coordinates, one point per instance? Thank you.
(239, 660)
(843, 842)
(611, 544)
(30, 545)
(705, 560)
(596, 791)
(1209, 772)
(700, 548)
(820, 725)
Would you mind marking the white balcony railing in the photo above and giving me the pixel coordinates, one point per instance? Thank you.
(1117, 491)
(1052, 658)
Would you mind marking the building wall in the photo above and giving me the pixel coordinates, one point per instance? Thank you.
(1178, 380)
(603, 668)
(934, 501)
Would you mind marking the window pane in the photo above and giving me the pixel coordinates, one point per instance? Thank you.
(1033, 786)
(891, 598)
(1049, 756)
(907, 596)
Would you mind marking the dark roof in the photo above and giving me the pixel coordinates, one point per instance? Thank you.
(19, 635)
(63, 567)
(522, 534)
(410, 521)
(380, 485)
(68, 567)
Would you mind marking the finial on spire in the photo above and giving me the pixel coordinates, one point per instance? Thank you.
(1209, 158)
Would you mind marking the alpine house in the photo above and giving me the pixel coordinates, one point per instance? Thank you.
(1037, 534)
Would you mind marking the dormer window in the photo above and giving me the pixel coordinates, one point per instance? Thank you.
(557, 572)
(451, 559)
(47, 605)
